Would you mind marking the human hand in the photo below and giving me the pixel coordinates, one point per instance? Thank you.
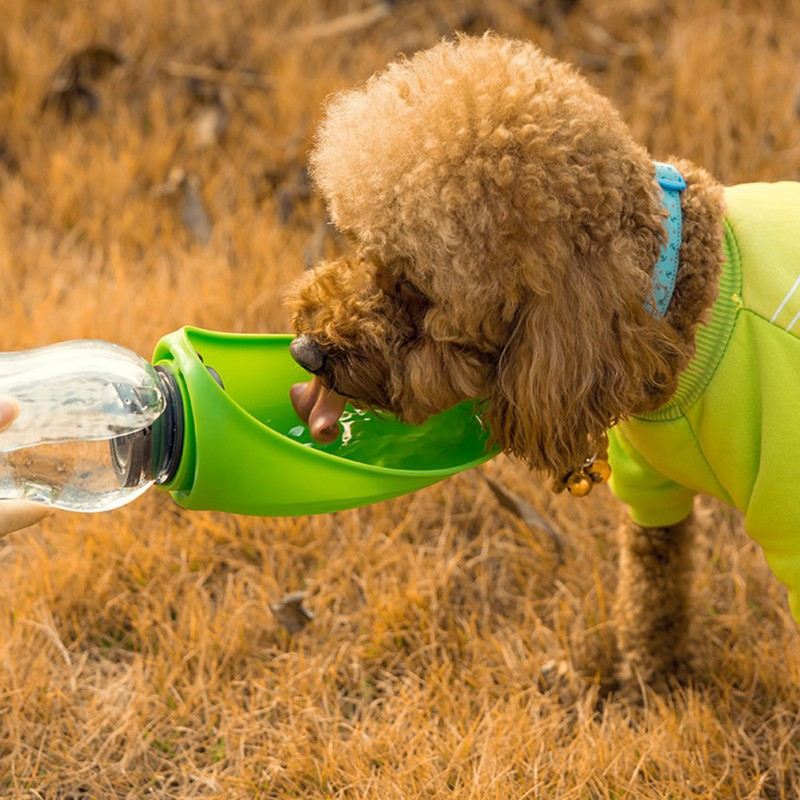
(16, 514)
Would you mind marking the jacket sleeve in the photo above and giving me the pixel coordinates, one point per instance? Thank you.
(654, 500)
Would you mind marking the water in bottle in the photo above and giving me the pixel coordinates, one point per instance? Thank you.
(97, 426)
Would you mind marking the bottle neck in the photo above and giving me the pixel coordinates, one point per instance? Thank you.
(153, 454)
(171, 425)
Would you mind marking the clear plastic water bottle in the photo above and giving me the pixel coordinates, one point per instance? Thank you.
(97, 426)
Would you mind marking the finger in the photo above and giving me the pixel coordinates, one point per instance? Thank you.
(18, 514)
(9, 411)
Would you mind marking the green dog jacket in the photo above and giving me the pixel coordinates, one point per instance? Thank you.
(732, 429)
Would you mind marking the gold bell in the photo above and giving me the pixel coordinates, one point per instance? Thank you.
(579, 484)
(599, 471)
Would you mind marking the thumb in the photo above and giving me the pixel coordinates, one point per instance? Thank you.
(9, 411)
(16, 514)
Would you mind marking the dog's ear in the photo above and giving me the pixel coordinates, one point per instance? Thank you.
(538, 409)
(577, 360)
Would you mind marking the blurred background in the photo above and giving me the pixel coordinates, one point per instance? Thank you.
(152, 175)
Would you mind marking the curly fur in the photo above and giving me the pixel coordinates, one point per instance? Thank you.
(505, 227)
(492, 184)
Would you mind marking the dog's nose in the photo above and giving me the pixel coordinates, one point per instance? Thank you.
(308, 354)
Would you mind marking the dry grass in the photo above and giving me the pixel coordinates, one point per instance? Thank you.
(138, 654)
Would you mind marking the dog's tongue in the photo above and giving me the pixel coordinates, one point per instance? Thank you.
(319, 407)
(323, 420)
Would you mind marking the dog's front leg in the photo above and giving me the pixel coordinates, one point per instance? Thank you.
(652, 605)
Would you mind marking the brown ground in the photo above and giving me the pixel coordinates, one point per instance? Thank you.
(451, 654)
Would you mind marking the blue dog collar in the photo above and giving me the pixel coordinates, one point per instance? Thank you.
(666, 269)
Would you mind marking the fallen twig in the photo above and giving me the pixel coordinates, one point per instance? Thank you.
(232, 77)
(347, 23)
(528, 514)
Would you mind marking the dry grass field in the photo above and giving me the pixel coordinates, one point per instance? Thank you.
(453, 654)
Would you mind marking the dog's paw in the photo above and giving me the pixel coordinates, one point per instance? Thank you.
(636, 677)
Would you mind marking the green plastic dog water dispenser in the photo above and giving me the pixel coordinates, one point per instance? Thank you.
(245, 450)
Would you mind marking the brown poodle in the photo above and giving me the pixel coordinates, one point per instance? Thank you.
(505, 229)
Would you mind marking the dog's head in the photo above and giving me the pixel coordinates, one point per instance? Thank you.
(503, 225)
